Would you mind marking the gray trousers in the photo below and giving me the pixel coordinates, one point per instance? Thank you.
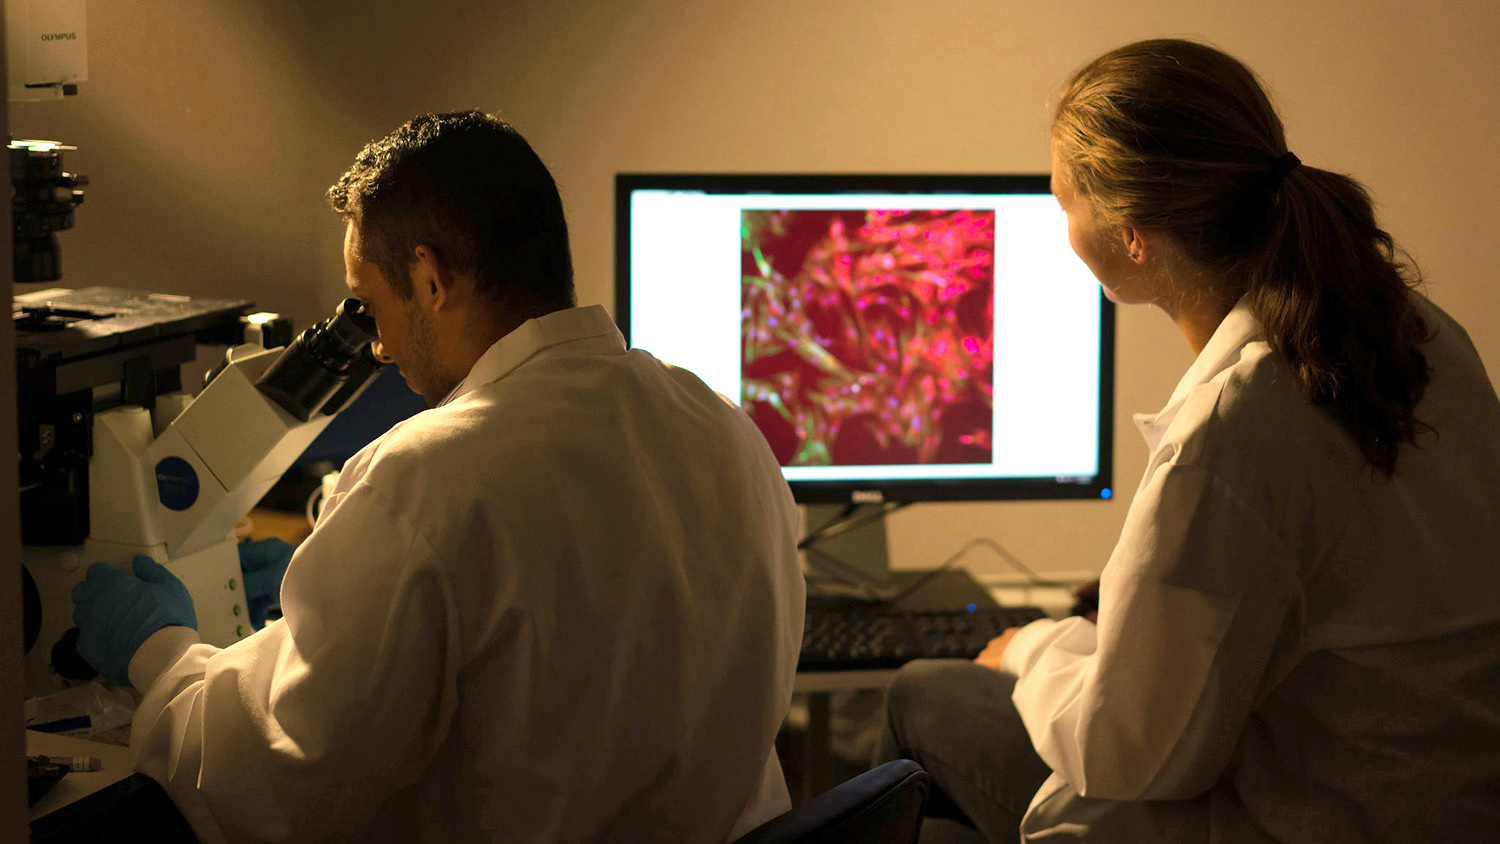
(956, 720)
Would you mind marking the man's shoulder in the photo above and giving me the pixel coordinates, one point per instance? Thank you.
(564, 412)
(428, 442)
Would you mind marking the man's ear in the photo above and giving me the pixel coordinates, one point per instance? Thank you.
(433, 282)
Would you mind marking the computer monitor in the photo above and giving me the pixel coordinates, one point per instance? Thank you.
(896, 338)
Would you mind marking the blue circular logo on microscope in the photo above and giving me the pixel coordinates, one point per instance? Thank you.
(176, 483)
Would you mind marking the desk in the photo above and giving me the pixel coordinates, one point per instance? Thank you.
(948, 590)
(818, 773)
(112, 804)
(117, 804)
(278, 524)
(77, 784)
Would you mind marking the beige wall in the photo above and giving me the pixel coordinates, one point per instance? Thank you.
(211, 128)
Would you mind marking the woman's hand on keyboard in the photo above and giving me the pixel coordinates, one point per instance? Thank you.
(1087, 598)
(990, 656)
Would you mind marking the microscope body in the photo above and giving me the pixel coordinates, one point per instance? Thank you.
(172, 481)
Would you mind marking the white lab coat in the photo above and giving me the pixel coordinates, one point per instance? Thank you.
(1290, 648)
(564, 605)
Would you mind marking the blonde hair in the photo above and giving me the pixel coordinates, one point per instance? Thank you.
(1179, 138)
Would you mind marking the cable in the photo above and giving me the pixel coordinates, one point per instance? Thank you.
(844, 522)
(314, 504)
(316, 498)
(822, 531)
(1031, 576)
(841, 515)
(820, 561)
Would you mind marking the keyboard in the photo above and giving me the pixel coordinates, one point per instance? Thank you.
(875, 636)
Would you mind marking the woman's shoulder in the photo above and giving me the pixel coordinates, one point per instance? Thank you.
(1251, 423)
(1449, 349)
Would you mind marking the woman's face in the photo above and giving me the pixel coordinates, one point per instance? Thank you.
(1105, 251)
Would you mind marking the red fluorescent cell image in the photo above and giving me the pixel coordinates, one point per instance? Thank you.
(868, 335)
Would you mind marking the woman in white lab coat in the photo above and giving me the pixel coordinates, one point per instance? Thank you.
(1298, 637)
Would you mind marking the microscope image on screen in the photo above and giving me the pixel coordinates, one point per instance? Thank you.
(868, 335)
(895, 337)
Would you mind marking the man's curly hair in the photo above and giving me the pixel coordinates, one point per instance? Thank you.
(469, 187)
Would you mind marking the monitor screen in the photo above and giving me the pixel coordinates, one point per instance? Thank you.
(895, 338)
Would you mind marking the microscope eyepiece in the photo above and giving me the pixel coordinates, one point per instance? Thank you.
(337, 341)
(320, 360)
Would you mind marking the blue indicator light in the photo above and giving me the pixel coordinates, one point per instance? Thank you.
(973, 607)
(1106, 493)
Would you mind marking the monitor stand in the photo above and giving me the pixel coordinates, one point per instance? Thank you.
(853, 565)
(857, 554)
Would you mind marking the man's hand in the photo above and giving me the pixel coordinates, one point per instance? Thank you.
(990, 656)
(117, 612)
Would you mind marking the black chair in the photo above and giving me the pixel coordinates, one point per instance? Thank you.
(880, 806)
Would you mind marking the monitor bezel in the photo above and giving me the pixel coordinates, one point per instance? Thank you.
(1099, 487)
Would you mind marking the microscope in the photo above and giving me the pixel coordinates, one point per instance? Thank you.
(118, 460)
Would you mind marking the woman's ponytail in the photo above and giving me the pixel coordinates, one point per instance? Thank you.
(1335, 302)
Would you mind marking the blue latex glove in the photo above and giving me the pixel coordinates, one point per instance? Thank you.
(117, 612)
(263, 562)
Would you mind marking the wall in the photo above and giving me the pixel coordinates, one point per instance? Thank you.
(12, 737)
(210, 130)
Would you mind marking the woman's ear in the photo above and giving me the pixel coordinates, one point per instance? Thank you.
(1140, 245)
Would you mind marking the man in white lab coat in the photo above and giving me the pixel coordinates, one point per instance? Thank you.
(562, 604)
